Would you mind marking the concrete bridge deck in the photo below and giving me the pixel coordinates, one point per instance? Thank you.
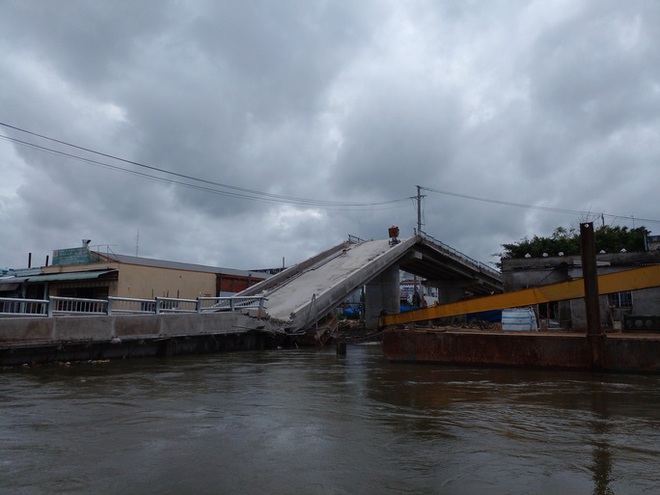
(301, 295)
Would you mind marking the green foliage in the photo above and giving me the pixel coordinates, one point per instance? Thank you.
(614, 239)
(607, 238)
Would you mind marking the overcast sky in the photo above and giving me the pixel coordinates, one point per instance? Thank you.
(252, 131)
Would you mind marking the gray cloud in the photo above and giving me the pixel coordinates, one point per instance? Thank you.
(543, 104)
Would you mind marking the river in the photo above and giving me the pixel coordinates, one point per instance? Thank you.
(311, 422)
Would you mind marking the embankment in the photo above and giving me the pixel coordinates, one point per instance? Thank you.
(82, 338)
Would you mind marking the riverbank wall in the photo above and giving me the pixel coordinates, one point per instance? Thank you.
(27, 340)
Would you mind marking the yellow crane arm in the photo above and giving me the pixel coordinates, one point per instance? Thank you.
(634, 279)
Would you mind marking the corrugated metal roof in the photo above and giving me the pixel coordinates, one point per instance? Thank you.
(60, 277)
(136, 260)
(26, 272)
(13, 280)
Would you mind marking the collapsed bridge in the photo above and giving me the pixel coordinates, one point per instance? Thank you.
(303, 294)
(63, 329)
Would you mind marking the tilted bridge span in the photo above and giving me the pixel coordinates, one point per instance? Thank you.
(303, 294)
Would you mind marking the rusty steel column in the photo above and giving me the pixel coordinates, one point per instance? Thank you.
(595, 334)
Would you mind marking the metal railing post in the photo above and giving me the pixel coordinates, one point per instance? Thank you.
(158, 305)
(49, 307)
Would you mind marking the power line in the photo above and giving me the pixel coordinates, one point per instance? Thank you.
(134, 172)
(254, 195)
(532, 207)
(232, 191)
(374, 206)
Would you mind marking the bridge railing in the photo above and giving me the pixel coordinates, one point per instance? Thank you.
(175, 305)
(23, 307)
(56, 305)
(466, 259)
(231, 303)
(128, 305)
(73, 305)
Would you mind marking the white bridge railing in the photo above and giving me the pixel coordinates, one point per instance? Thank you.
(56, 305)
(484, 268)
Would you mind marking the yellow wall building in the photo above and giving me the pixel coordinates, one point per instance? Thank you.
(80, 272)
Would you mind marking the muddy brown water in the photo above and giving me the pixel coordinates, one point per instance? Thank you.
(309, 421)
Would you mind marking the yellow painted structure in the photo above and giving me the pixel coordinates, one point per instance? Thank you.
(627, 280)
(148, 282)
(142, 281)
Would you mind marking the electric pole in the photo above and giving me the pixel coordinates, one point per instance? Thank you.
(419, 209)
(420, 294)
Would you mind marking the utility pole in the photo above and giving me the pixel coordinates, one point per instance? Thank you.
(419, 209)
(419, 232)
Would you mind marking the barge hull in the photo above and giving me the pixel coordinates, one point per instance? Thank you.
(607, 352)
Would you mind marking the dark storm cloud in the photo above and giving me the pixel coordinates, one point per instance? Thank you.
(544, 104)
(395, 134)
(237, 89)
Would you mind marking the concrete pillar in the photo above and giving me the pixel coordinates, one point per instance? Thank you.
(382, 293)
(450, 293)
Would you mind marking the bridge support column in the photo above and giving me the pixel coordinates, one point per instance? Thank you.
(450, 294)
(382, 294)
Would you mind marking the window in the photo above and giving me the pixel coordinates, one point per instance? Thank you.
(620, 300)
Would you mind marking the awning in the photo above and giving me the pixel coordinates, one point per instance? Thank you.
(5, 287)
(65, 277)
(11, 283)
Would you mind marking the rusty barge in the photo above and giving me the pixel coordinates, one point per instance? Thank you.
(607, 352)
(631, 350)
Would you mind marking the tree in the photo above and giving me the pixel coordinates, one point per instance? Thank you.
(611, 239)
(614, 239)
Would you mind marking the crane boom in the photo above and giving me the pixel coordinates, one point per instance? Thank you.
(633, 279)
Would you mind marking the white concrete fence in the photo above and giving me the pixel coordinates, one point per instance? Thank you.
(55, 305)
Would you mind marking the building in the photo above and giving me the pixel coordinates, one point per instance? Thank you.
(83, 273)
(526, 273)
(653, 242)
